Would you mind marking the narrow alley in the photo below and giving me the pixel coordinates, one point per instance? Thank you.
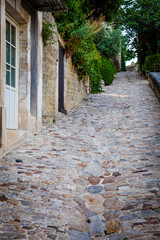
(95, 174)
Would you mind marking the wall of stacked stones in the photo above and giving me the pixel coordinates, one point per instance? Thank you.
(74, 90)
(50, 75)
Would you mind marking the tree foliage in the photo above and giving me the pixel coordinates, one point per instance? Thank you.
(108, 8)
(108, 41)
(78, 27)
(127, 53)
(141, 20)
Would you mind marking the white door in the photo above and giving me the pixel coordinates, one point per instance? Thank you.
(11, 75)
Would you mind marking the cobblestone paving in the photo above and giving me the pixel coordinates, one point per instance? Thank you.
(92, 175)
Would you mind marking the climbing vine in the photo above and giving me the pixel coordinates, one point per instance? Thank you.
(48, 33)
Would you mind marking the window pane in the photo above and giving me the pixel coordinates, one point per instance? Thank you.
(8, 73)
(13, 77)
(8, 53)
(7, 31)
(13, 56)
(13, 36)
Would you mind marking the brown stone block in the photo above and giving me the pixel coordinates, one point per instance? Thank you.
(113, 227)
(93, 200)
(108, 194)
(97, 209)
(94, 180)
(13, 201)
(113, 204)
(106, 162)
(78, 222)
(109, 180)
(82, 164)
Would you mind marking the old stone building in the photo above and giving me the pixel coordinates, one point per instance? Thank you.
(35, 80)
(20, 80)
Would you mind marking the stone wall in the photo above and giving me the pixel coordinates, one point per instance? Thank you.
(154, 81)
(76, 89)
(50, 75)
(24, 82)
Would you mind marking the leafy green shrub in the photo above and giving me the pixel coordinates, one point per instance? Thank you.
(95, 76)
(107, 70)
(150, 61)
(87, 60)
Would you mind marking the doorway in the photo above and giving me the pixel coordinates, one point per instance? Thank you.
(61, 82)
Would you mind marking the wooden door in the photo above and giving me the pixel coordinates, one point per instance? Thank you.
(61, 80)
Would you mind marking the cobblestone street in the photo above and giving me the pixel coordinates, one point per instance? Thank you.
(94, 174)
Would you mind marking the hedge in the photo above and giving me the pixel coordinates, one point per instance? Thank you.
(107, 70)
(150, 61)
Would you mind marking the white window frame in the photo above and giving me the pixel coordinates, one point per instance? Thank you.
(15, 24)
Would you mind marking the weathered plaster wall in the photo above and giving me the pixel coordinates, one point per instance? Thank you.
(50, 75)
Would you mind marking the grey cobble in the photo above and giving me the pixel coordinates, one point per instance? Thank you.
(95, 174)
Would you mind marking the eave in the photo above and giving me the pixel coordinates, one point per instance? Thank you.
(54, 6)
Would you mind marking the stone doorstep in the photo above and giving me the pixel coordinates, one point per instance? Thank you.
(21, 139)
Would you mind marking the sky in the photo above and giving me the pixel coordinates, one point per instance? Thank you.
(132, 60)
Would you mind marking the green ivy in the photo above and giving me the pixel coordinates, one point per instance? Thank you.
(48, 33)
